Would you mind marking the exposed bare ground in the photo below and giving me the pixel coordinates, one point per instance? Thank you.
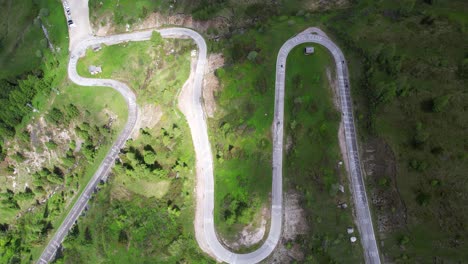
(148, 116)
(105, 29)
(295, 224)
(36, 154)
(211, 83)
(380, 167)
(336, 102)
(186, 93)
(333, 86)
(156, 20)
(252, 234)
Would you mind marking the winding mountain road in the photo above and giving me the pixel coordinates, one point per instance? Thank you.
(363, 216)
(78, 51)
(204, 222)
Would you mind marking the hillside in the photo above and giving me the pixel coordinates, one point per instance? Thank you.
(408, 62)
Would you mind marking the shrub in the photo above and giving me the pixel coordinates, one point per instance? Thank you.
(404, 240)
(463, 69)
(439, 104)
(149, 157)
(421, 135)
(44, 12)
(252, 55)
(55, 116)
(423, 198)
(418, 165)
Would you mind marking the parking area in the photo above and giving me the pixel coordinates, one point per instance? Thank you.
(79, 27)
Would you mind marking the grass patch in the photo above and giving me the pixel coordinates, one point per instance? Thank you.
(146, 68)
(95, 100)
(148, 189)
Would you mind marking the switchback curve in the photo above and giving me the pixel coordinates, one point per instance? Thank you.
(204, 221)
(80, 50)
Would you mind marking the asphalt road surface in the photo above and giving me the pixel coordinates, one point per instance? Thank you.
(204, 224)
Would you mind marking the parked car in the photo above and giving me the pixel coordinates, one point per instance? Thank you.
(70, 23)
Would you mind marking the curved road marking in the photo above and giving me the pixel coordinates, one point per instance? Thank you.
(204, 224)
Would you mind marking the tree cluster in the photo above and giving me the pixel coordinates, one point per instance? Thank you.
(16, 101)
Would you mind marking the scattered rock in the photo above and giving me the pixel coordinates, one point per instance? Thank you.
(343, 205)
(341, 188)
(295, 224)
(353, 239)
(350, 230)
(380, 167)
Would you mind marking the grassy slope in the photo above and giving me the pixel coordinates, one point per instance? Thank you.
(430, 54)
(124, 64)
(369, 26)
(430, 57)
(96, 100)
(311, 165)
(16, 56)
(144, 196)
(21, 41)
(21, 38)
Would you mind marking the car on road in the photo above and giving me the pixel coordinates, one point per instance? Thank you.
(70, 23)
